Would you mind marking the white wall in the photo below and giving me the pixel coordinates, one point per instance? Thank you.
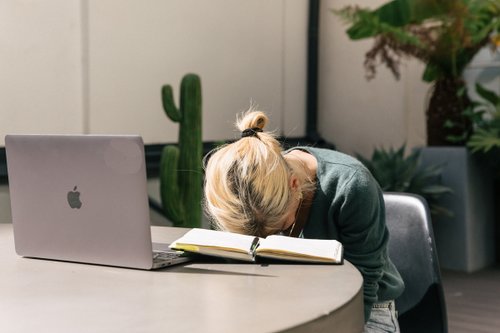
(97, 66)
(40, 66)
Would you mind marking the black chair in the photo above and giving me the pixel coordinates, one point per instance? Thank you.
(422, 306)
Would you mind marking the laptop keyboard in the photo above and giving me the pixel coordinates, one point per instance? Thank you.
(166, 255)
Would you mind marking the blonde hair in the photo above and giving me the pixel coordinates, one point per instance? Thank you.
(247, 187)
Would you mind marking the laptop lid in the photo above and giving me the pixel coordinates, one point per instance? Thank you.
(80, 198)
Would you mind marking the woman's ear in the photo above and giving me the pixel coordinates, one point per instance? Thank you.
(295, 187)
(294, 183)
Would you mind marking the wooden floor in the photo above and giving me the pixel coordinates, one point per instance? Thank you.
(473, 301)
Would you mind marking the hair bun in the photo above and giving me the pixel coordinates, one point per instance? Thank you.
(253, 120)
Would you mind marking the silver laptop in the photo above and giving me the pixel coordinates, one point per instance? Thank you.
(82, 198)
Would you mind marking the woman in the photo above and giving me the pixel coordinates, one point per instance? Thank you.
(252, 187)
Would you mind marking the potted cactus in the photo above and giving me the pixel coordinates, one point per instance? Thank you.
(181, 173)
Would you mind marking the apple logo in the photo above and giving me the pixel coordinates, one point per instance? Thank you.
(74, 199)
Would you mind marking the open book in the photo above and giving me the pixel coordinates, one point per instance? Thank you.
(243, 247)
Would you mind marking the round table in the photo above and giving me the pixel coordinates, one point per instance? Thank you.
(50, 296)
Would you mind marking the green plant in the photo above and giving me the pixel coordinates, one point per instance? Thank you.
(397, 173)
(486, 121)
(445, 35)
(181, 173)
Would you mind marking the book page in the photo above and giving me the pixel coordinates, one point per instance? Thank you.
(299, 247)
(216, 239)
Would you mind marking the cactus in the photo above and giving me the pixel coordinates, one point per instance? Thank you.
(181, 167)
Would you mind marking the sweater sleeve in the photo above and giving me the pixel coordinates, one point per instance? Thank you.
(362, 230)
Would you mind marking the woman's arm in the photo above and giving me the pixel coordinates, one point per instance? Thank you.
(362, 230)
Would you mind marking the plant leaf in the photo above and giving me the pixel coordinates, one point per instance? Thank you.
(484, 140)
(436, 189)
(488, 95)
(395, 13)
(431, 73)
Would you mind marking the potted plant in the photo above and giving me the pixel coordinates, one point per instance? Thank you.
(181, 172)
(396, 172)
(486, 120)
(445, 36)
(486, 141)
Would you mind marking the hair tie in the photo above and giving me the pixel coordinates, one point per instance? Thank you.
(251, 132)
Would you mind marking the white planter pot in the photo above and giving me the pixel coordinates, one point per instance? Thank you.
(466, 241)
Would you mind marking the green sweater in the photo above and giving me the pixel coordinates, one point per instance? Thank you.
(348, 206)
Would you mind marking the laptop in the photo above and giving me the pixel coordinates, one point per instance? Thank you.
(83, 198)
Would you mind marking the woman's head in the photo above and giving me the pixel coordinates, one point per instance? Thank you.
(249, 187)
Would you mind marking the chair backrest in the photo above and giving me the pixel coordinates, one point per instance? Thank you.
(422, 306)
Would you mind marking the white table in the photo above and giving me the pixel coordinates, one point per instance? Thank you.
(50, 296)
